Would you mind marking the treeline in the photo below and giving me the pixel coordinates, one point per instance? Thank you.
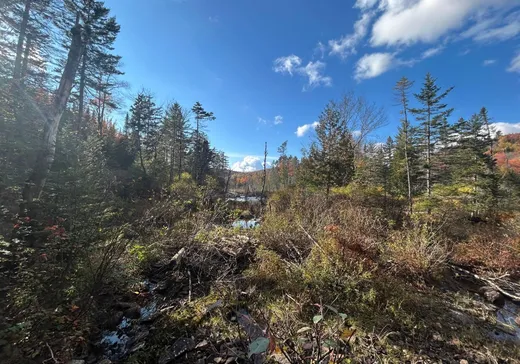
(433, 163)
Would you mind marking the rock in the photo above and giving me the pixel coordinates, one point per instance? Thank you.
(133, 312)
(218, 360)
(231, 360)
(493, 296)
(76, 361)
(3, 342)
(162, 286)
(246, 215)
(463, 361)
(180, 347)
(202, 344)
(105, 361)
(124, 305)
(113, 321)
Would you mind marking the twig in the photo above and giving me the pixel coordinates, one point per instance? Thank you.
(314, 241)
(52, 354)
(189, 280)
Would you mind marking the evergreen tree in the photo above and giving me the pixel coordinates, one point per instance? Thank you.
(199, 140)
(98, 65)
(431, 114)
(330, 161)
(144, 126)
(283, 164)
(473, 172)
(401, 94)
(175, 139)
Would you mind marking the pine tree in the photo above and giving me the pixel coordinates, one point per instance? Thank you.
(431, 114)
(98, 65)
(198, 140)
(474, 166)
(330, 161)
(283, 164)
(175, 132)
(144, 125)
(401, 94)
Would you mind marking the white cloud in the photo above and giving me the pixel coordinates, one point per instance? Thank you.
(432, 52)
(498, 27)
(250, 163)
(312, 71)
(214, 19)
(320, 49)
(502, 33)
(515, 64)
(507, 128)
(365, 4)
(489, 62)
(278, 119)
(287, 64)
(346, 45)
(302, 130)
(405, 22)
(373, 65)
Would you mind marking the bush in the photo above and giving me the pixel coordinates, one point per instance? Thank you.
(417, 250)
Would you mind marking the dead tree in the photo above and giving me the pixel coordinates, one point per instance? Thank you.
(36, 181)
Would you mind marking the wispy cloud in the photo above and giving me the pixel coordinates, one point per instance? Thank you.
(214, 19)
(320, 50)
(346, 45)
(432, 52)
(498, 27)
(489, 62)
(515, 64)
(287, 64)
(302, 130)
(313, 71)
(278, 119)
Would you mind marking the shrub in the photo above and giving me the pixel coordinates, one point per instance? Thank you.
(418, 250)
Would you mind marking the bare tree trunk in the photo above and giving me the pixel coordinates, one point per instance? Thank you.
(408, 174)
(265, 173)
(21, 38)
(36, 181)
(82, 83)
(227, 183)
(428, 160)
(25, 64)
(172, 163)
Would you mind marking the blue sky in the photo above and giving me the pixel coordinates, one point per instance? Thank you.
(266, 68)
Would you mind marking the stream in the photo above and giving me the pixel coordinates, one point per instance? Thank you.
(129, 334)
(509, 317)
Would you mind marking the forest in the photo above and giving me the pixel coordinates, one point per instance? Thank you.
(128, 239)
